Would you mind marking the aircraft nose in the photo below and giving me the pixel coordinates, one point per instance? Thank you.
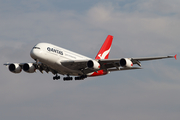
(34, 53)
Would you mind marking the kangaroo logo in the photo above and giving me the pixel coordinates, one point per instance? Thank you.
(102, 56)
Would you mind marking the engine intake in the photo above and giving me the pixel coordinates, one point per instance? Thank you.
(93, 64)
(125, 62)
(15, 68)
(29, 68)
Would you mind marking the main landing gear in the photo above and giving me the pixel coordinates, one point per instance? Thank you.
(68, 78)
(81, 77)
(56, 77)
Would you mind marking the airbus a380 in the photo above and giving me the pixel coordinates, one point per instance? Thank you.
(51, 58)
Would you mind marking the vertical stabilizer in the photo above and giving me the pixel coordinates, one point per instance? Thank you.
(105, 49)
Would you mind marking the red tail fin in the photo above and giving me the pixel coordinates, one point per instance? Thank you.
(105, 49)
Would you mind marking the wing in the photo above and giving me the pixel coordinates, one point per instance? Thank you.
(137, 60)
(43, 67)
(82, 65)
(108, 64)
(78, 65)
(29, 67)
(154, 58)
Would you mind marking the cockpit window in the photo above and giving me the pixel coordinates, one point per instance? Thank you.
(36, 47)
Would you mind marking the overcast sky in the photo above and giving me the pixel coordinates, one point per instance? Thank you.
(141, 28)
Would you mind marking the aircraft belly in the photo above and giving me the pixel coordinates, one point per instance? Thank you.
(66, 71)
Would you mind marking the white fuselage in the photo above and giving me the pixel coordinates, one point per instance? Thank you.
(52, 56)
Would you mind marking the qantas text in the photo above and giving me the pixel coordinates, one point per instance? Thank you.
(54, 50)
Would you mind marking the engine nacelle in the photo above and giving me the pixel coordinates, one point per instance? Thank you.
(15, 68)
(93, 64)
(29, 68)
(125, 62)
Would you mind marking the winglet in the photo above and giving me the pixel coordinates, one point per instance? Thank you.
(175, 56)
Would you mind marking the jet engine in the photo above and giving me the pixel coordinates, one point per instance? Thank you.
(29, 68)
(125, 62)
(15, 68)
(93, 64)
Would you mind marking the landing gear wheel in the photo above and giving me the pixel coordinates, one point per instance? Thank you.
(56, 77)
(81, 77)
(67, 78)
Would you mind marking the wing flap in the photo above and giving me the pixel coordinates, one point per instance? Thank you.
(124, 69)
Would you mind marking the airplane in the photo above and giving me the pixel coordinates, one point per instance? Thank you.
(51, 58)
